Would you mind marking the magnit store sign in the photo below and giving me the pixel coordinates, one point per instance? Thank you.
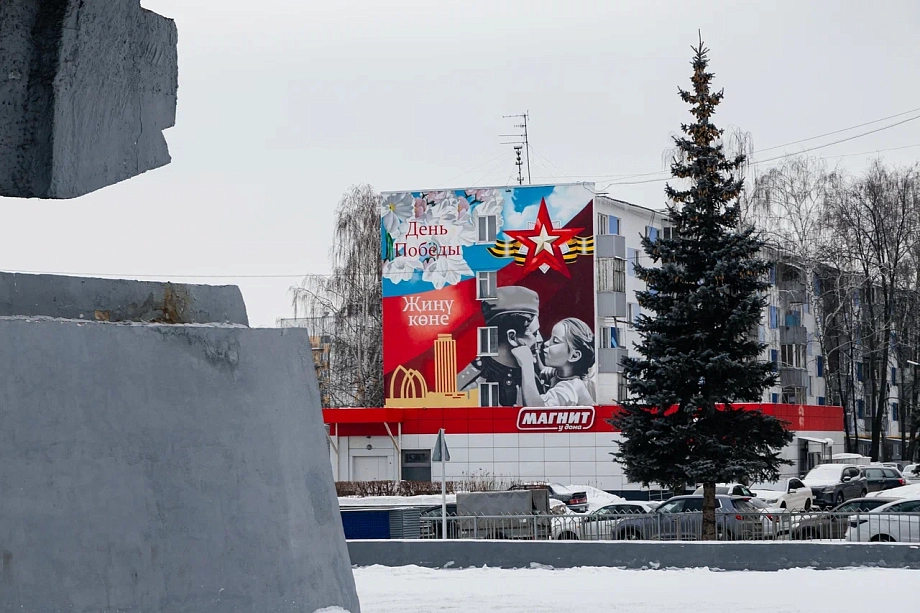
(559, 419)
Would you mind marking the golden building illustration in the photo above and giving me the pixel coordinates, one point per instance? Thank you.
(408, 388)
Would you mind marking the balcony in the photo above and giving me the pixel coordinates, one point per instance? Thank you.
(611, 304)
(609, 360)
(793, 377)
(793, 335)
(792, 293)
(610, 246)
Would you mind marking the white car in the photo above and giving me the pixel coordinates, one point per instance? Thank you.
(905, 491)
(895, 522)
(729, 489)
(911, 472)
(598, 524)
(789, 494)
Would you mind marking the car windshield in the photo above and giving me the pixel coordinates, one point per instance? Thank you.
(825, 472)
(860, 505)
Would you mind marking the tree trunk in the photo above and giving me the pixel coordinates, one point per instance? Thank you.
(903, 407)
(881, 403)
(709, 512)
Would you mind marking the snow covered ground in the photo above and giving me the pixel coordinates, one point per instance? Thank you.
(411, 589)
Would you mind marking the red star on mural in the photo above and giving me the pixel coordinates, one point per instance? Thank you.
(544, 243)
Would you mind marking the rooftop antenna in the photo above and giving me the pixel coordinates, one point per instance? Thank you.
(521, 141)
(518, 163)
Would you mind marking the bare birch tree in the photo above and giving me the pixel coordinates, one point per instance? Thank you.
(346, 304)
(875, 219)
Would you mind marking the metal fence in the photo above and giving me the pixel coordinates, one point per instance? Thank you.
(783, 525)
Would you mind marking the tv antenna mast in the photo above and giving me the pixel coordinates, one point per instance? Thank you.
(521, 141)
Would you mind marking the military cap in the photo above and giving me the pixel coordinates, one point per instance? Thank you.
(511, 299)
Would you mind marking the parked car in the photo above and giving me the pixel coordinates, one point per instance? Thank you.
(832, 484)
(831, 524)
(789, 494)
(911, 472)
(680, 518)
(430, 522)
(575, 500)
(895, 522)
(905, 491)
(598, 524)
(881, 478)
(729, 489)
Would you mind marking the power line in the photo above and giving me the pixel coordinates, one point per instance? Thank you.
(786, 155)
(862, 125)
(810, 138)
(500, 155)
(837, 142)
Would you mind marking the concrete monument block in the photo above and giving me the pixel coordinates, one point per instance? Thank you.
(86, 89)
(178, 468)
(119, 300)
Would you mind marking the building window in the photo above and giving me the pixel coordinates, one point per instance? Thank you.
(488, 341)
(488, 394)
(633, 256)
(894, 375)
(859, 371)
(611, 275)
(821, 401)
(774, 357)
(488, 228)
(774, 316)
(793, 356)
(668, 233)
(486, 282)
(612, 338)
(652, 233)
(860, 409)
(608, 224)
(772, 274)
(774, 398)
(894, 411)
(819, 366)
(633, 310)
(793, 395)
(793, 317)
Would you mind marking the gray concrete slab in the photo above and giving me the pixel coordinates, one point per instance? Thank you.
(178, 468)
(119, 300)
(757, 556)
(86, 89)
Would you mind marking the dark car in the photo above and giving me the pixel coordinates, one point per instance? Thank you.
(830, 524)
(883, 478)
(681, 519)
(833, 484)
(431, 526)
(576, 501)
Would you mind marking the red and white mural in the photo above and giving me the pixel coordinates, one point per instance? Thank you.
(488, 297)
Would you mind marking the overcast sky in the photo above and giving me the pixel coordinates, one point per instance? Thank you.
(285, 103)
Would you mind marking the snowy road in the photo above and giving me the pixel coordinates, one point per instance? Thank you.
(605, 590)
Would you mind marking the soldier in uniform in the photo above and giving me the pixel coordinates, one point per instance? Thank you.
(515, 312)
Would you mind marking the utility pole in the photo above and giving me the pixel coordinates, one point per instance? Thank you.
(522, 140)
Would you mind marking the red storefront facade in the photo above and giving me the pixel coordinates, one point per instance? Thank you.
(564, 444)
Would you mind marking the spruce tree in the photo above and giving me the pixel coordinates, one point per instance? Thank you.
(699, 353)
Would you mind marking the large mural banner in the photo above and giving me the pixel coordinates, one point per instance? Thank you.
(488, 297)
